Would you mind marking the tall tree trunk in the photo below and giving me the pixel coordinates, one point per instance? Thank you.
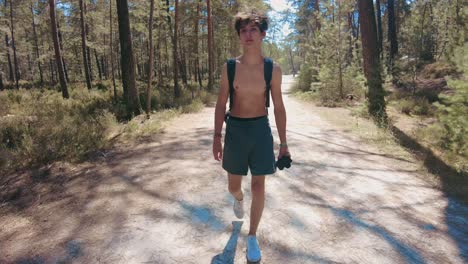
(174, 51)
(58, 56)
(83, 45)
(459, 20)
(36, 48)
(166, 65)
(11, 76)
(138, 67)
(119, 69)
(88, 50)
(103, 63)
(88, 54)
(182, 63)
(339, 59)
(30, 67)
(317, 15)
(13, 44)
(159, 61)
(51, 70)
(291, 59)
(150, 62)
(350, 37)
(197, 55)
(210, 47)
(421, 47)
(392, 35)
(61, 48)
(11, 72)
(97, 64)
(1, 81)
(233, 37)
(371, 57)
(111, 49)
(77, 55)
(104, 67)
(397, 15)
(379, 25)
(127, 60)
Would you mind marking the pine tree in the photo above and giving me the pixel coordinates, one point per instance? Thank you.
(370, 51)
(83, 45)
(150, 70)
(127, 60)
(58, 56)
(13, 44)
(210, 46)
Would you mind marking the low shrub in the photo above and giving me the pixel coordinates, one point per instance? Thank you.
(452, 113)
(307, 75)
(438, 70)
(414, 105)
(43, 127)
(38, 127)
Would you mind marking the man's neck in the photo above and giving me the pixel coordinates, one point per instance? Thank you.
(251, 57)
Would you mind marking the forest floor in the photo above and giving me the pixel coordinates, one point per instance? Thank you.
(165, 200)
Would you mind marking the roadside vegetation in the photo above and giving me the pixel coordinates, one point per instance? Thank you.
(39, 126)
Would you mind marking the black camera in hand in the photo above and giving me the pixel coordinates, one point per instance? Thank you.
(284, 162)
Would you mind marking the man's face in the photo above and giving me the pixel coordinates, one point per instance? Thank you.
(250, 35)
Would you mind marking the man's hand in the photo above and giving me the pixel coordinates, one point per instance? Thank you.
(217, 149)
(284, 151)
(284, 158)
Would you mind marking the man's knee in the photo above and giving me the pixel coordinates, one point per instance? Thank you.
(258, 185)
(234, 188)
(234, 183)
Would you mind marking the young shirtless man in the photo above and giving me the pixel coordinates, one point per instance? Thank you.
(248, 141)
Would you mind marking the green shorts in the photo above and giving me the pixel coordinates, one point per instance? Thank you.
(248, 144)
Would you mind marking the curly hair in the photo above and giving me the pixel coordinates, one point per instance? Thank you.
(244, 18)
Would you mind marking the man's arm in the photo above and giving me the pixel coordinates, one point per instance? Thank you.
(280, 111)
(220, 111)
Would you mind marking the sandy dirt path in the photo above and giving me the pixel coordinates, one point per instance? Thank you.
(166, 201)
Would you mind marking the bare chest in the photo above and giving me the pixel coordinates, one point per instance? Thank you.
(249, 81)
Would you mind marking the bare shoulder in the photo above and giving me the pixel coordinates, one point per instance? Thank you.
(277, 72)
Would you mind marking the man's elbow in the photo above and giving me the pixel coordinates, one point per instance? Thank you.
(280, 108)
(280, 111)
(220, 107)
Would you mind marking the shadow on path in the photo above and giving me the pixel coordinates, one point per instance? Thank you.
(454, 185)
(229, 252)
(410, 255)
(355, 151)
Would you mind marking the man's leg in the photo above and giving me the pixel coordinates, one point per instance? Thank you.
(258, 202)
(234, 185)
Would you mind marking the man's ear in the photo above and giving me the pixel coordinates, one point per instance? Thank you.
(263, 34)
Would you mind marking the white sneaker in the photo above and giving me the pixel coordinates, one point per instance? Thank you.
(253, 249)
(239, 208)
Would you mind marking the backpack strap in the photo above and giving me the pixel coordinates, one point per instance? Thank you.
(267, 73)
(231, 69)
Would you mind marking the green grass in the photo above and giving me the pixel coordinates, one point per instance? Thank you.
(39, 127)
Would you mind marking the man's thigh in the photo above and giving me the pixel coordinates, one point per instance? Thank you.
(234, 181)
(262, 157)
(236, 150)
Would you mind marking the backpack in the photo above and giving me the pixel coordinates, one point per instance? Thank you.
(267, 74)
